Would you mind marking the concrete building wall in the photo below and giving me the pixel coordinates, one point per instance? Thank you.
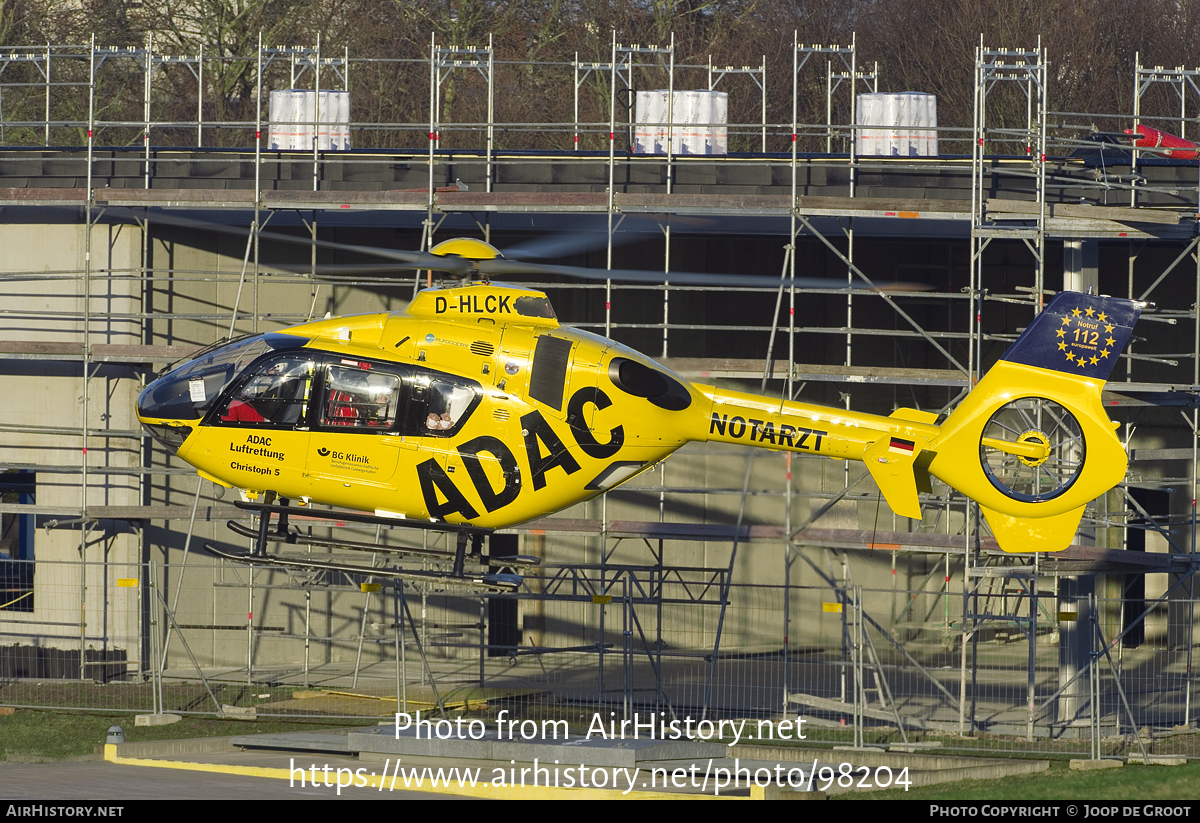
(45, 302)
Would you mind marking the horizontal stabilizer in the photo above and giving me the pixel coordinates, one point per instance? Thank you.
(915, 415)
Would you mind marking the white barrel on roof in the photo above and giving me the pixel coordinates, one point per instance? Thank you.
(896, 125)
(650, 118)
(297, 117)
(718, 133)
(320, 118)
(341, 134)
(696, 116)
(288, 129)
(694, 122)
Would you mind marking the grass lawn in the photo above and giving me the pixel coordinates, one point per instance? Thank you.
(43, 734)
(1141, 783)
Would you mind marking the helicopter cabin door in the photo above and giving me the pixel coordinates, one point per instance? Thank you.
(585, 393)
(460, 476)
(537, 367)
(261, 425)
(356, 440)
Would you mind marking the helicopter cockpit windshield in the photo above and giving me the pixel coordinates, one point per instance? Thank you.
(187, 391)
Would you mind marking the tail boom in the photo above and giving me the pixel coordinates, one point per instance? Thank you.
(1031, 443)
(893, 448)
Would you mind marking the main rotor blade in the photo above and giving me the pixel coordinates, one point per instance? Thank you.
(502, 268)
(559, 245)
(582, 236)
(411, 259)
(345, 269)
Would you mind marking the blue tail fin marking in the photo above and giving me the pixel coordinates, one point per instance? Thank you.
(1081, 334)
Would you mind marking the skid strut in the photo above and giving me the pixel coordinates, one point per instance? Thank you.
(282, 533)
(264, 526)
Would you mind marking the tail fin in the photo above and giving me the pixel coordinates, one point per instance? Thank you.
(1032, 443)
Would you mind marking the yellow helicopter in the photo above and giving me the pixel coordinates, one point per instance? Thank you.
(473, 409)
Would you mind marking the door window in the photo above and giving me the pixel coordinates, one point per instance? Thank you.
(358, 396)
(275, 395)
(439, 404)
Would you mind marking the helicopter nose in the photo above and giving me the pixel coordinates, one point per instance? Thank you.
(159, 403)
(171, 399)
(172, 437)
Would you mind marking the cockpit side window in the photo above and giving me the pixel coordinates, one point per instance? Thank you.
(358, 396)
(439, 404)
(448, 402)
(274, 395)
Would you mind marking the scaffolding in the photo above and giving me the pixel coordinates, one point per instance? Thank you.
(1017, 197)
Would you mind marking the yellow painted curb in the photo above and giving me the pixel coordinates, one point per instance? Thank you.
(482, 790)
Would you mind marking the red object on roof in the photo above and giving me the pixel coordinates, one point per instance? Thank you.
(1149, 138)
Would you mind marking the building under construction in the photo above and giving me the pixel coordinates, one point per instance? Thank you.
(719, 582)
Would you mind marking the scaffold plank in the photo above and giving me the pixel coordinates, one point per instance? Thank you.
(716, 368)
(347, 200)
(732, 204)
(115, 353)
(101, 352)
(522, 201)
(10, 196)
(1074, 559)
(1086, 212)
(166, 198)
(1072, 227)
(879, 374)
(898, 207)
(1090, 559)
(724, 367)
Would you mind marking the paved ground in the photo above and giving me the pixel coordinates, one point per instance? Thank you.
(99, 780)
(309, 765)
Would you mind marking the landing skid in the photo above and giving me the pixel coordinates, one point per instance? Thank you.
(284, 511)
(490, 582)
(297, 539)
(459, 557)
